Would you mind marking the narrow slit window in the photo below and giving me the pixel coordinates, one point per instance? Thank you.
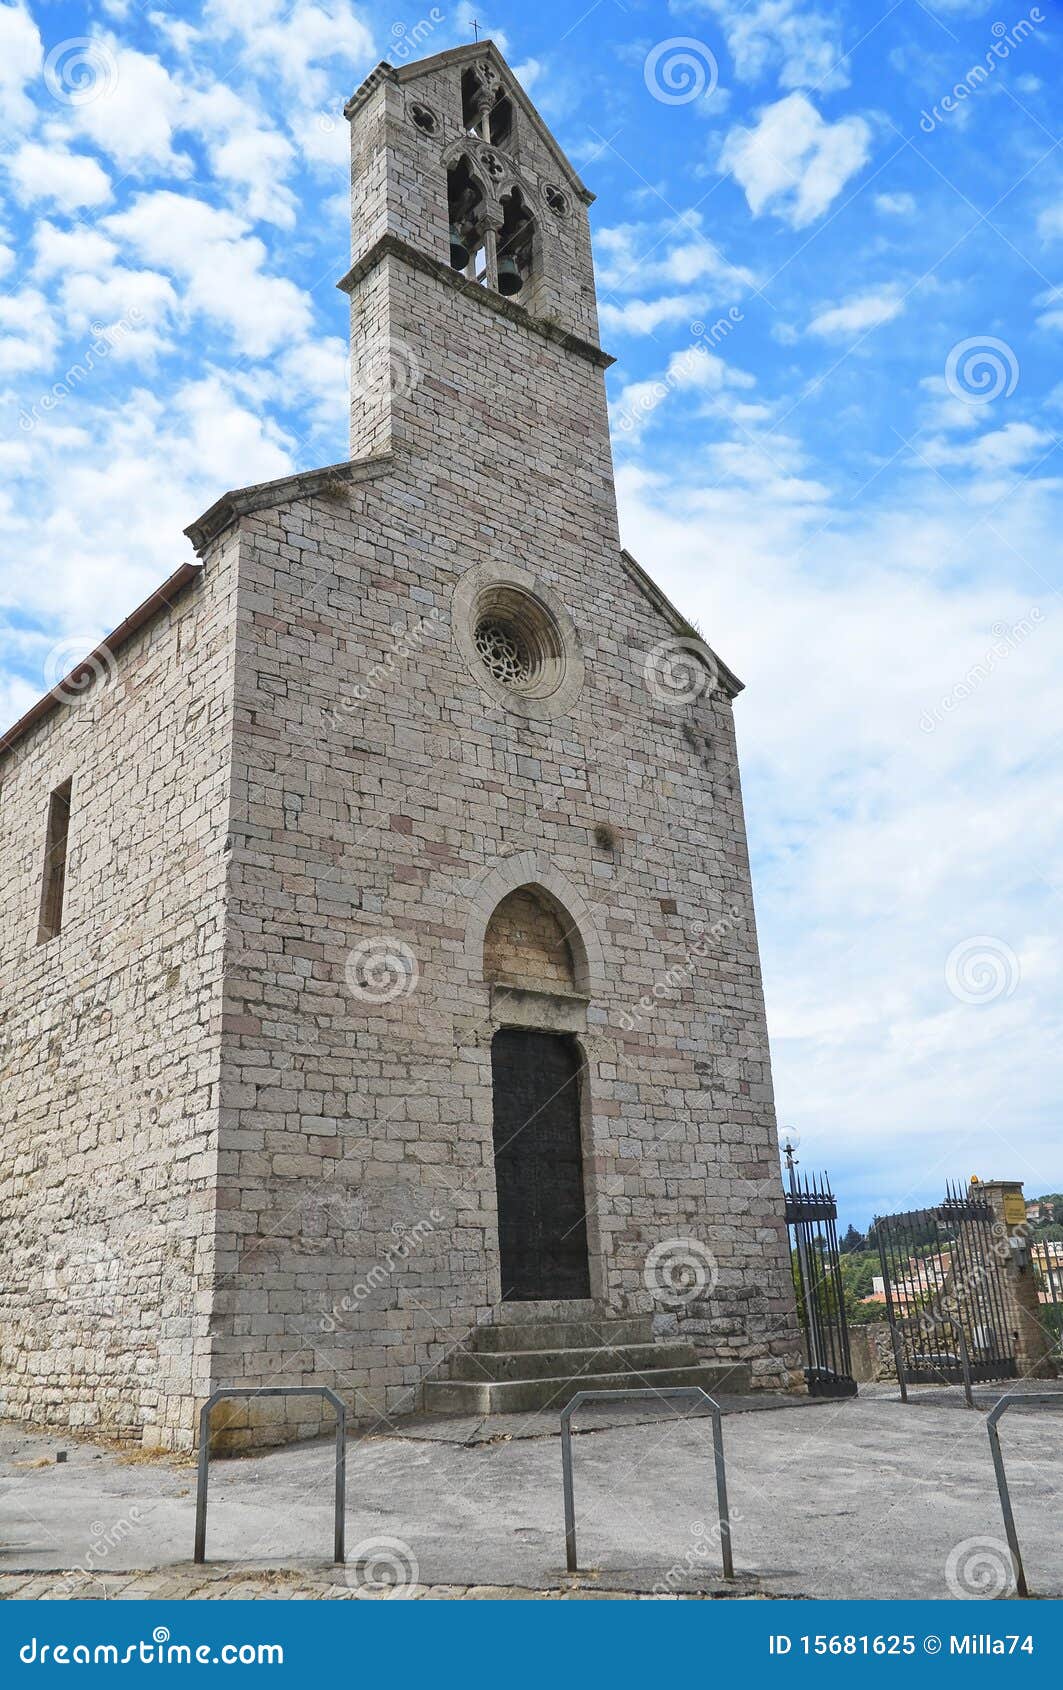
(54, 887)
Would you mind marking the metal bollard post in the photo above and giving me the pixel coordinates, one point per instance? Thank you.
(203, 1472)
(691, 1393)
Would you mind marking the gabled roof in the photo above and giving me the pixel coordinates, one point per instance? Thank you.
(648, 587)
(402, 74)
(262, 495)
(161, 599)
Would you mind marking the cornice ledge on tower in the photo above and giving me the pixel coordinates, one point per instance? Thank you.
(243, 501)
(728, 680)
(393, 246)
(383, 73)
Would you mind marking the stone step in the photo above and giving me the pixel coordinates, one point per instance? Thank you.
(486, 1366)
(525, 1396)
(593, 1333)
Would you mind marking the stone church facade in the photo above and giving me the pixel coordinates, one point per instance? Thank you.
(377, 950)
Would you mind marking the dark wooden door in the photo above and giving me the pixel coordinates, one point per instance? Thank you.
(542, 1222)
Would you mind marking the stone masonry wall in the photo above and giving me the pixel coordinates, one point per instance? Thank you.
(246, 1111)
(110, 1036)
(377, 789)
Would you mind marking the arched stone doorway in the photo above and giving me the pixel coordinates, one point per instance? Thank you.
(537, 1075)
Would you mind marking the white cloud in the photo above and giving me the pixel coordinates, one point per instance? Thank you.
(133, 306)
(245, 155)
(802, 45)
(900, 771)
(948, 413)
(48, 172)
(1050, 222)
(1052, 315)
(997, 453)
(234, 445)
(303, 44)
(144, 470)
(183, 36)
(528, 73)
(643, 316)
(29, 333)
(21, 57)
(855, 316)
(318, 371)
(133, 117)
(633, 257)
(255, 160)
(220, 265)
(896, 205)
(324, 138)
(66, 249)
(694, 370)
(793, 162)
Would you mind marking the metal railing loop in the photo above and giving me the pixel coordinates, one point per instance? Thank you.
(1043, 1399)
(691, 1393)
(339, 1556)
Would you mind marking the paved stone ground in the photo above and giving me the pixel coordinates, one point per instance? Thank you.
(857, 1498)
(303, 1586)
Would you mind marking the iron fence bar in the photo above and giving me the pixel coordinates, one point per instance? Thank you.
(228, 1395)
(691, 1393)
(882, 1234)
(943, 1263)
(1044, 1399)
(980, 1292)
(811, 1219)
(824, 1324)
(839, 1293)
(965, 1363)
(993, 1299)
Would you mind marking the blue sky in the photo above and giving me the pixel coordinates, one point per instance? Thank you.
(828, 243)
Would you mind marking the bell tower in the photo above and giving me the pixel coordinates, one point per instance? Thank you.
(474, 330)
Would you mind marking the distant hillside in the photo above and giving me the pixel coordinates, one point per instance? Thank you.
(1046, 1213)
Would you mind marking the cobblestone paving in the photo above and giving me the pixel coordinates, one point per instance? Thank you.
(201, 1584)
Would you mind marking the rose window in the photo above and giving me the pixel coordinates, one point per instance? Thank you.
(503, 652)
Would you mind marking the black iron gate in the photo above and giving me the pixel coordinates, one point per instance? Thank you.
(811, 1217)
(943, 1282)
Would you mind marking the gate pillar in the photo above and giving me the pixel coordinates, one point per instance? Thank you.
(1033, 1342)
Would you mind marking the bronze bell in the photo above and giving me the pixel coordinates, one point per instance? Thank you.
(459, 252)
(510, 279)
